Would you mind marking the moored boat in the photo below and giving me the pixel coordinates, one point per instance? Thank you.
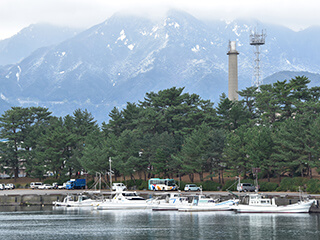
(72, 201)
(123, 200)
(171, 202)
(64, 203)
(209, 206)
(260, 204)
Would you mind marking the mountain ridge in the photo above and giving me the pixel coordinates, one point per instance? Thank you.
(124, 57)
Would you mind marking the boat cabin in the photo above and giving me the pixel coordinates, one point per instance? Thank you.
(258, 199)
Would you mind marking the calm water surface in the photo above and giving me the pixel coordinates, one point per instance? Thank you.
(69, 223)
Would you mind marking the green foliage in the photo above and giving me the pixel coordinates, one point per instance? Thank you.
(49, 181)
(235, 151)
(230, 184)
(232, 114)
(182, 185)
(210, 186)
(90, 183)
(313, 186)
(292, 184)
(143, 185)
(268, 186)
(173, 133)
(21, 127)
(137, 184)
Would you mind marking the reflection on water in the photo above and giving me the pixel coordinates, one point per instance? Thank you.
(86, 223)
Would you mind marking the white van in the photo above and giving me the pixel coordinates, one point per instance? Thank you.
(35, 185)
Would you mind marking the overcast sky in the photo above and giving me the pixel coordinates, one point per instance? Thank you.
(17, 14)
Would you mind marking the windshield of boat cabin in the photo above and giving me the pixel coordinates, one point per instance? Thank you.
(130, 194)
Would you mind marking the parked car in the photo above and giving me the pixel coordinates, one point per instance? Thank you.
(45, 186)
(191, 187)
(246, 187)
(119, 187)
(2, 186)
(35, 185)
(10, 186)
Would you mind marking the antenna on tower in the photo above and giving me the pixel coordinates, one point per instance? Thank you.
(257, 40)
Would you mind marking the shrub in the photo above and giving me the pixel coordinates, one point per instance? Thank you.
(210, 186)
(90, 184)
(131, 183)
(139, 184)
(182, 185)
(268, 186)
(50, 181)
(143, 185)
(292, 184)
(313, 186)
(230, 184)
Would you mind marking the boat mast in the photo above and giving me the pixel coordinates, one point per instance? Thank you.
(255, 171)
(110, 173)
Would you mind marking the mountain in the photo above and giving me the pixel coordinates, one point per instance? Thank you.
(21, 45)
(121, 59)
(287, 75)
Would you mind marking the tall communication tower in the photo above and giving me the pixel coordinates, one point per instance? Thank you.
(257, 40)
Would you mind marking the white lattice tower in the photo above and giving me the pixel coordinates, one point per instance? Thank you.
(257, 40)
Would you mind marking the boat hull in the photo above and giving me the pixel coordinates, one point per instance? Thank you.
(206, 207)
(122, 205)
(301, 207)
(89, 203)
(165, 207)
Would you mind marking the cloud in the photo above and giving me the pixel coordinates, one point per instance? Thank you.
(16, 14)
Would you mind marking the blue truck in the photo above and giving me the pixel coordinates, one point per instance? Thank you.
(76, 184)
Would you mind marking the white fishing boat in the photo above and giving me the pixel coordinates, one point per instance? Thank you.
(171, 202)
(123, 200)
(210, 205)
(64, 203)
(260, 204)
(73, 201)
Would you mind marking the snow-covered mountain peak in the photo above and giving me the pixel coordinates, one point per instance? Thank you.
(126, 56)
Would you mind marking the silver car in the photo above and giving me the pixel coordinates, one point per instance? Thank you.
(191, 187)
(246, 187)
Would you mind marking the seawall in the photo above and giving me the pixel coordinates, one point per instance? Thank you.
(30, 199)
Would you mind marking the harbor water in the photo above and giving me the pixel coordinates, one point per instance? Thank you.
(80, 223)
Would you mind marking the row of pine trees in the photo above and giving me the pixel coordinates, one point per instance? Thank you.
(275, 128)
